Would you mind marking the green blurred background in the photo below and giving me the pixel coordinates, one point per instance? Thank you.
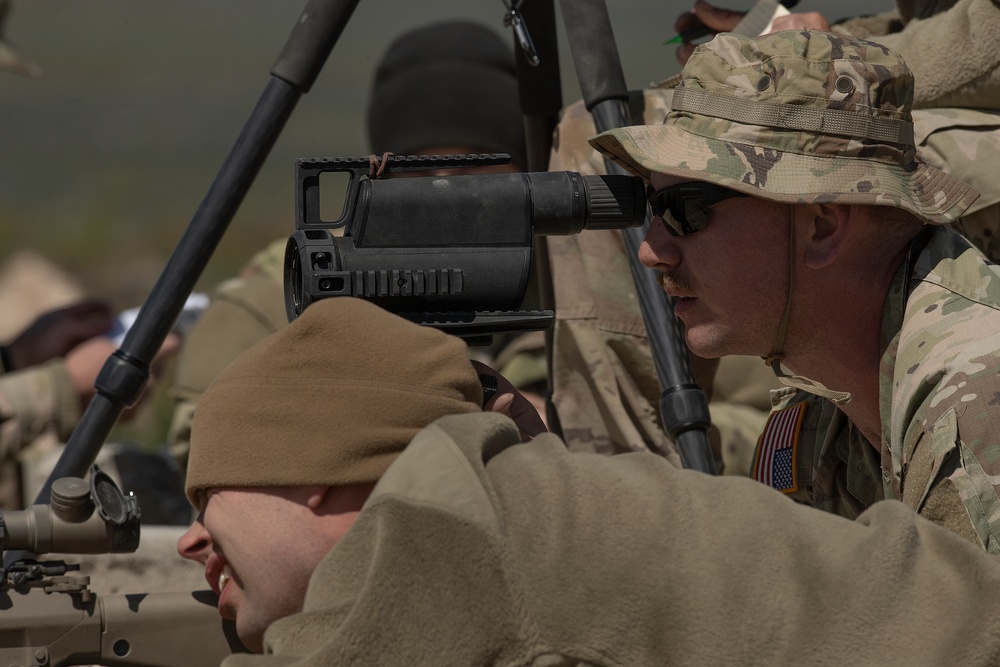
(105, 158)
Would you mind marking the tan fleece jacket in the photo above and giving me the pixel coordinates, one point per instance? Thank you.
(476, 550)
(953, 49)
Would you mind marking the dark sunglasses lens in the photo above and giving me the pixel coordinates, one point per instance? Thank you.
(695, 213)
(687, 205)
(680, 215)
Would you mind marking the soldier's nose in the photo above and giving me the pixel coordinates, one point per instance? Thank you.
(659, 250)
(196, 543)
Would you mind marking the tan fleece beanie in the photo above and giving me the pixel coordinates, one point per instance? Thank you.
(331, 399)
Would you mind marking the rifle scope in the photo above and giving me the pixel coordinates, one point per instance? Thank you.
(80, 519)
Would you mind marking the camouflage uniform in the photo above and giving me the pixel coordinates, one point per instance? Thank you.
(38, 409)
(600, 333)
(244, 310)
(957, 129)
(34, 401)
(938, 450)
(940, 428)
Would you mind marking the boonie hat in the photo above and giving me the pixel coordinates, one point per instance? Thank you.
(797, 116)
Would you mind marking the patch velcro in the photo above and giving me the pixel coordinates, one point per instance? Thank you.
(774, 460)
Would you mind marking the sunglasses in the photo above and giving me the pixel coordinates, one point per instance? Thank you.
(687, 204)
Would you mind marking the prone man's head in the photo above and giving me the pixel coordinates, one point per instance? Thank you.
(289, 440)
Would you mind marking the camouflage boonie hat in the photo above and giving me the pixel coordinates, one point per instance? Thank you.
(799, 117)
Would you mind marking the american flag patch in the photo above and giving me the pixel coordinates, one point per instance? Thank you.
(774, 461)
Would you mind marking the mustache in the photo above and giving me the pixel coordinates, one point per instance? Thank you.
(673, 282)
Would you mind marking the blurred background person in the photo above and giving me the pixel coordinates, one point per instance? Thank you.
(47, 376)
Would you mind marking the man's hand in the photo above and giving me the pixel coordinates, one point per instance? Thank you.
(509, 401)
(716, 20)
(57, 332)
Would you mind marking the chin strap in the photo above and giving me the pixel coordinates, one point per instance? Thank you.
(774, 359)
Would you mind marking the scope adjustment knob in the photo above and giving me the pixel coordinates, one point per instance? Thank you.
(71, 499)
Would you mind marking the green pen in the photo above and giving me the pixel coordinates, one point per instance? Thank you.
(690, 35)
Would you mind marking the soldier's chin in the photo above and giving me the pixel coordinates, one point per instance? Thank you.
(252, 637)
(702, 344)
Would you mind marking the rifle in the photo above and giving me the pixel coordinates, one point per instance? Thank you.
(126, 372)
(52, 618)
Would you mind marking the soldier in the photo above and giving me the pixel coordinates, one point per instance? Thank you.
(47, 375)
(476, 549)
(806, 155)
(602, 364)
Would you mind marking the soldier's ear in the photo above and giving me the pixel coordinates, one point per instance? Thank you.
(317, 495)
(824, 229)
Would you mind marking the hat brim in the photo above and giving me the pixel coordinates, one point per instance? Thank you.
(781, 176)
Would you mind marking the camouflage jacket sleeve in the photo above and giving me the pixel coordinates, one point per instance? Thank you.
(33, 401)
(940, 388)
(244, 310)
(604, 381)
(954, 52)
(940, 450)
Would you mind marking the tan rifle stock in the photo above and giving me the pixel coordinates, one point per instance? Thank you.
(59, 622)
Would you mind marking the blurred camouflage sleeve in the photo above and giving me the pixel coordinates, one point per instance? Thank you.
(244, 310)
(945, 391)
(604, 382)
(33, 401)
